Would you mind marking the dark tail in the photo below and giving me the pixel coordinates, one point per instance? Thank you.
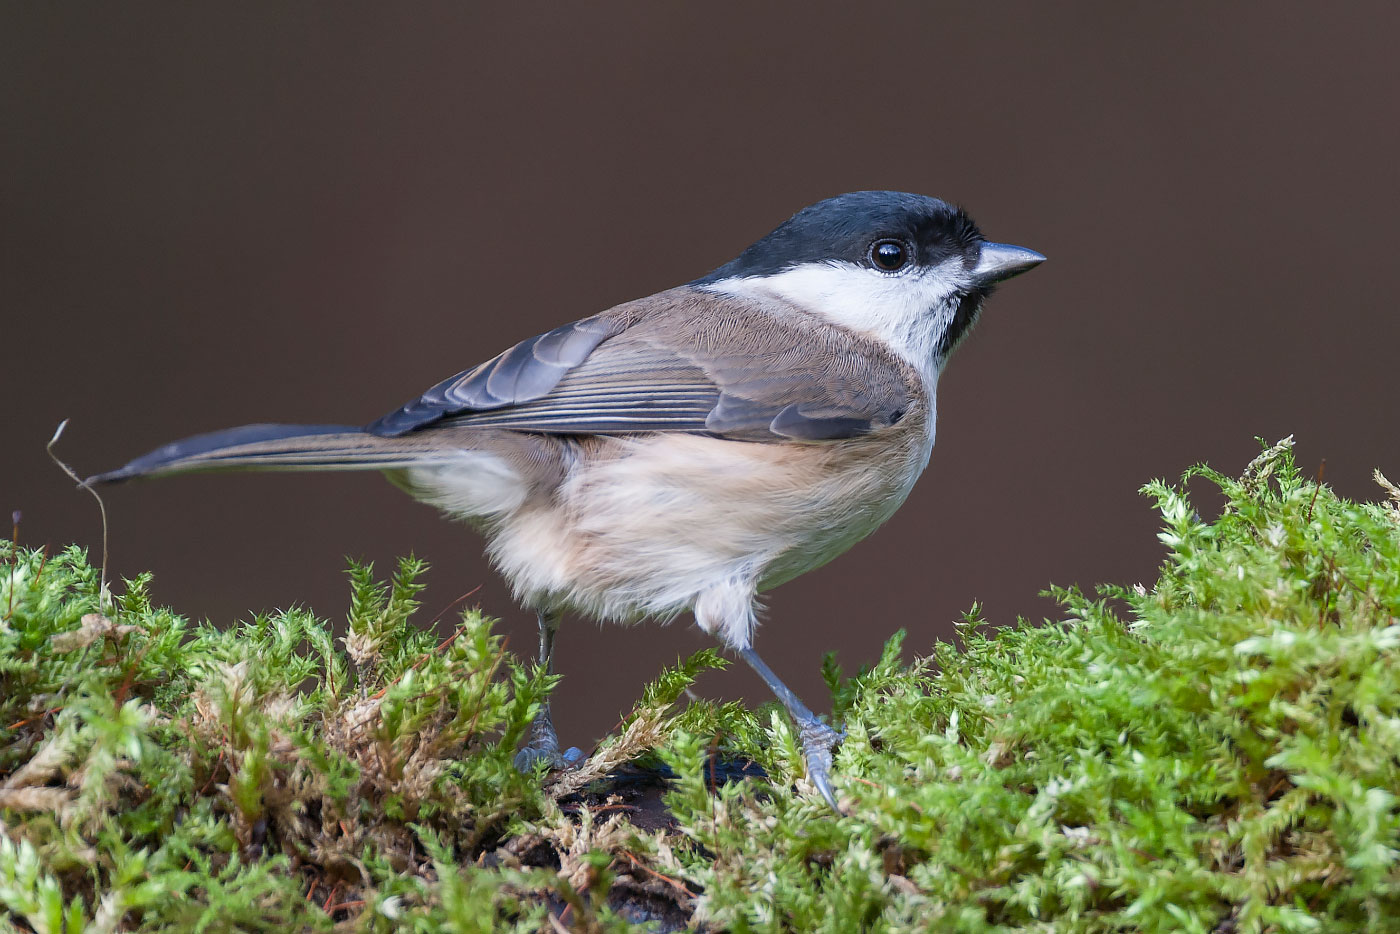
(273, 447)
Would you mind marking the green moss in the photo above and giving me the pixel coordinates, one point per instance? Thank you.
(1219, 752)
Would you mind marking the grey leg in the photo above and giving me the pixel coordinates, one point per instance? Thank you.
(543, 745)
(818, 739)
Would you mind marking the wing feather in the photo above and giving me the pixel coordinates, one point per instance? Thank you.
(690, 361)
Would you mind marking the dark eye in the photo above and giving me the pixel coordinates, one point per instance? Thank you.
(889, 255)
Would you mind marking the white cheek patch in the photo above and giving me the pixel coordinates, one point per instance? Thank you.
(909, 312)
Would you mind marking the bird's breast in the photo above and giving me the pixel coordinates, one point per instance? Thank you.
(642, 525)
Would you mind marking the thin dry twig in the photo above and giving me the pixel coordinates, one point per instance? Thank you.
(1321, 472)
(676, 884)
(104, 598)
(353, 903)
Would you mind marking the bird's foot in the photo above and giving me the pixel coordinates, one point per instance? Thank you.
(530, 756)
(544, 748)
(818, 741)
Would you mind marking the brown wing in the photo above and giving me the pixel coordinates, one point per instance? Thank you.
(683, 360)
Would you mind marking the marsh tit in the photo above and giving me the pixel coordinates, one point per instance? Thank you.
(688, 450)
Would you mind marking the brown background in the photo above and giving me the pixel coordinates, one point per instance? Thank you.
(280, 212)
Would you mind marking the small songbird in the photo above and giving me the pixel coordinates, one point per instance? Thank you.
(691, 449)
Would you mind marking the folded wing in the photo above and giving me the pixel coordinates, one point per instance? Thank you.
(694, 362)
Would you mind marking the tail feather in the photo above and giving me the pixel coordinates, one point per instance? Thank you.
(271, 447)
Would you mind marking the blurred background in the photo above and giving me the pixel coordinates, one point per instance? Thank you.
(219, 214)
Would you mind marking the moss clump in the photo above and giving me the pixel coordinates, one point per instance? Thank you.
(1220, 752)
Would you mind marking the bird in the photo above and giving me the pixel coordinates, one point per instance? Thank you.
(687, 451)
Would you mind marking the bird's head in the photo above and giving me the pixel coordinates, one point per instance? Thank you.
(908, 269)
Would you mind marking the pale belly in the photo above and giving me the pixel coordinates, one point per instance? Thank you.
(655, 523)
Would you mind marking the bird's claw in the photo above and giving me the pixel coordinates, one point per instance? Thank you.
(531, 756)
(818, 741)
(544, 748)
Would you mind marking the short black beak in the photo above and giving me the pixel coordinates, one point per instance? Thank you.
(1002, 261)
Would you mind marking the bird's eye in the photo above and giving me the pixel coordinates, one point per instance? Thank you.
(889, 255)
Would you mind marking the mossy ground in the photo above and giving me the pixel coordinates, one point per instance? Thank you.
(1218, 752)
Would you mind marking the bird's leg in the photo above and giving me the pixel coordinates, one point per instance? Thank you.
(543, 745)
(818, 739)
